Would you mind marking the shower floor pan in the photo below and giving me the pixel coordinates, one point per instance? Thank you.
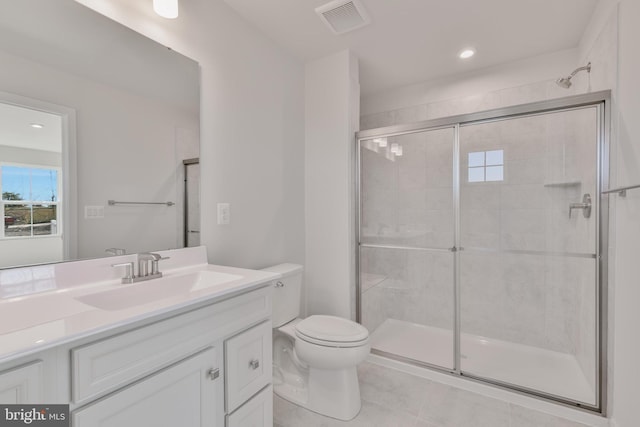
(538, 369)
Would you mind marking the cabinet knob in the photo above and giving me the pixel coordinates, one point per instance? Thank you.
(254, 364)
(213, 373)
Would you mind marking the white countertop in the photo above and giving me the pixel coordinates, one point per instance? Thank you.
(34, 322)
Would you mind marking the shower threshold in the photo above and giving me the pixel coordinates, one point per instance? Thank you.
(526, 366)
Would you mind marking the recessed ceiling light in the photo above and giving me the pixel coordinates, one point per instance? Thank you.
(466, 54)
(37, 125)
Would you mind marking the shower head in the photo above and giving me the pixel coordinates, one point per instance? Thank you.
(565, 82)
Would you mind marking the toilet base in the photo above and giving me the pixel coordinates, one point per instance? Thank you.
(332, 393)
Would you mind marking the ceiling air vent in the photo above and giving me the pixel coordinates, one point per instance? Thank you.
(343, 15)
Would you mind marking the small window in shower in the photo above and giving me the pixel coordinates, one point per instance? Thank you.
(486, 166)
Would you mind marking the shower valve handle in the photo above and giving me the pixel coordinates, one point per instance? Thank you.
(585, 206)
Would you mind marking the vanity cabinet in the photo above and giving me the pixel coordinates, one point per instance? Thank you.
(203, 365)
(22, 384)
(173, 372)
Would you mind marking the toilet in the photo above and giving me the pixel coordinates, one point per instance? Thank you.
(315, 359)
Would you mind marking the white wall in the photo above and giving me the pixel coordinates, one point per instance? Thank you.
(252, 128)
(28, 156)
(486, 80)
(627, 223)
(331, 115)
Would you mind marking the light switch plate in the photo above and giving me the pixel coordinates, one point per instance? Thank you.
(93, 212)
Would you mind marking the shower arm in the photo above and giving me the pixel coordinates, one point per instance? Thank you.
(577, 70)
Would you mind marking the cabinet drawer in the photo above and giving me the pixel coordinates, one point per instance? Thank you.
(248, 362)
(106, 365)
(257, 412)
(22, 385)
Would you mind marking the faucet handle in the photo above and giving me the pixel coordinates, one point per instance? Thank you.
(128, 271)
(154, 256)
(154, 263)
(115, 251)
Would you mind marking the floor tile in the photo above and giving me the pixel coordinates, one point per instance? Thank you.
(391, 398)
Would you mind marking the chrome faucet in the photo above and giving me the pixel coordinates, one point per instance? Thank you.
(143, 268)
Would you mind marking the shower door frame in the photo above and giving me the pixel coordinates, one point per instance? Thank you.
(185, 203)
(602, 102)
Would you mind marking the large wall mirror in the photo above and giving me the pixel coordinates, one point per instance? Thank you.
(91, 111)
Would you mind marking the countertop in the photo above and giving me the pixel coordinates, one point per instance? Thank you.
(35, 322)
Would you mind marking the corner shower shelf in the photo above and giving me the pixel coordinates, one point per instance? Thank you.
(369, 280)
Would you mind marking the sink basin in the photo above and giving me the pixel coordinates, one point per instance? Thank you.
(125, 296)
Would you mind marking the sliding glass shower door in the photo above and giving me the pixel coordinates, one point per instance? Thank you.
(407, 232)
(528, 268)
(482, 246)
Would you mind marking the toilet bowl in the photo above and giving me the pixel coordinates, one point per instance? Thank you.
(315, 359)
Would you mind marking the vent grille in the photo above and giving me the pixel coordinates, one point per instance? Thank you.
(342, 16)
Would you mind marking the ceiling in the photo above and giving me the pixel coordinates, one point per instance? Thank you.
(16, 130)
(68, 36)
(411, 41)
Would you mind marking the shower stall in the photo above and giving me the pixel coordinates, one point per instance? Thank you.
(482, 246)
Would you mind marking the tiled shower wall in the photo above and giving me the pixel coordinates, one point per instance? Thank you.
(541, 301)
(407, 201)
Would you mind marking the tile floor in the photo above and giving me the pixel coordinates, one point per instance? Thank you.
(392, 398)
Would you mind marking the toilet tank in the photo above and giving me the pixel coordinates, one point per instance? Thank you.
(286, 293)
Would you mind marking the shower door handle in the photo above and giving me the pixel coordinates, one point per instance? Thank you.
(585, 206)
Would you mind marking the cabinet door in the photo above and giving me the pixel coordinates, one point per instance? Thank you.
(187, 394)
(22, 384)
(257, 412)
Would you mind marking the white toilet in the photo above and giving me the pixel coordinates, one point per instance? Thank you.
(315, 359)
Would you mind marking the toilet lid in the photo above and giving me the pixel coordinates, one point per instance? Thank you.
(331, 329)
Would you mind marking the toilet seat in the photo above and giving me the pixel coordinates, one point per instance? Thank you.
(331, 331)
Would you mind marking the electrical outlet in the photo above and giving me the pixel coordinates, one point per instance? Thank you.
(224, 213)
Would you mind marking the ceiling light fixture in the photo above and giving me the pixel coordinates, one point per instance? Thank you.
(37, 125)
(466, 54)
(166, 8)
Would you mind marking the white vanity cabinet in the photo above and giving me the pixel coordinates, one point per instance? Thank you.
(200, 365)
(22, 384)
(191, 348)
(173, 372)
